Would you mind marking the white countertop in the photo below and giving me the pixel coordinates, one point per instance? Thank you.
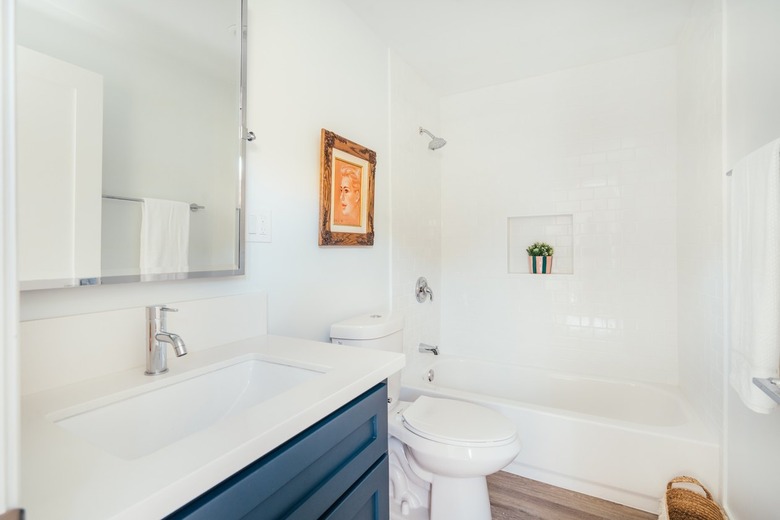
(66, 477)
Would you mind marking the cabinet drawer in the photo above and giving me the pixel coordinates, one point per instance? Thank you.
(368, 499)
(304, 477)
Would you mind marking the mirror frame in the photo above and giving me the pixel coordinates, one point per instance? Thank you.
(243, 135)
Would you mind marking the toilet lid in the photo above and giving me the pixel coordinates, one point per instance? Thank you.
(457, 422)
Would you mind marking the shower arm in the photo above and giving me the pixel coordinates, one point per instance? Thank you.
(424, 131)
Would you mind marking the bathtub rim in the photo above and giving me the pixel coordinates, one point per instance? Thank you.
(694, 428)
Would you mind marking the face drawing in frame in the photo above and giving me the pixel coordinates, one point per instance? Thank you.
(347, 172)
(348, 193)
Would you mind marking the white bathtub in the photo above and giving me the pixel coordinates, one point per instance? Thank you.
(616, 440)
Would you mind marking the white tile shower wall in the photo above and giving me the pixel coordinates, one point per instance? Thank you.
(597, 142)
(699, 233)
(416, 203)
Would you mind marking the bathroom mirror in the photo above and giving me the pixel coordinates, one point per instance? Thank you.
(129, 111)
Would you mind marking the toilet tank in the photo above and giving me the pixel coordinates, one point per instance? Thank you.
(380, 331)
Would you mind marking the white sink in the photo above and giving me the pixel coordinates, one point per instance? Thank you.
(139, 424)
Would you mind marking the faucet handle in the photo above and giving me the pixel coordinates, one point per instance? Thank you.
(422, 291)
(157, 315)
(161, 307)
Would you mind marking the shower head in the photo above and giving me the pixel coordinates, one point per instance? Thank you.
(436, 142)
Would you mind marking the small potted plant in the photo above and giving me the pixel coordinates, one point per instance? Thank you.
(540, 258)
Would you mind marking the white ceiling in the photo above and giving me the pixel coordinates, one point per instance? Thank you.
(459, 45)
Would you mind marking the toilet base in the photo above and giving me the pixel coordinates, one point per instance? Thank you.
(409, 494)
(472, 502)
(418, 513)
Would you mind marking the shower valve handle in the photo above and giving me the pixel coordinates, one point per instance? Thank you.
(422, 290)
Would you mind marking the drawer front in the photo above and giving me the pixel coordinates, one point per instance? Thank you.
(305, 476)
(368, 499)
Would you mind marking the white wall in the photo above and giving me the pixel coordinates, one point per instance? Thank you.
(752, 107)
(65, 350)
(699, 237)
(597, 142)
(311, 68)
(299, 63)
(416, 204)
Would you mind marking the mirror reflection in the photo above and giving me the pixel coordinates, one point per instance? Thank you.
(130, 140)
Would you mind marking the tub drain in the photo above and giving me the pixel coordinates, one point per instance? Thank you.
(429, 376)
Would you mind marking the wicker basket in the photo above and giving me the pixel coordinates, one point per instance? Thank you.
(685, 504)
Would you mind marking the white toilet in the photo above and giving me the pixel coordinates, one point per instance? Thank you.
(440, 450)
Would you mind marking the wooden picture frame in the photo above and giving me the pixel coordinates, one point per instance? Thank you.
(347, 172)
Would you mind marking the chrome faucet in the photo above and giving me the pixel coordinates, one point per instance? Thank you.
(424, 347)
(157, 337)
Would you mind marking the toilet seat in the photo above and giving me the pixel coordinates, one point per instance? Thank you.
(457, 423)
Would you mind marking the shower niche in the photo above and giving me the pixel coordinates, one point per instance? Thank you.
(556, 230)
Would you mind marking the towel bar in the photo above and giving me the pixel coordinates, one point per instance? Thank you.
(769, 386)
(193, 206)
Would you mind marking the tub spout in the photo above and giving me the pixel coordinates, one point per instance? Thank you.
(424, 347)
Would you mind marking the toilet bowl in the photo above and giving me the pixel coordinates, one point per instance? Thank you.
(441, 450)
(454, 445)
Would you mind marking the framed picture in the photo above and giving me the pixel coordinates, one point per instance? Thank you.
(347, 173)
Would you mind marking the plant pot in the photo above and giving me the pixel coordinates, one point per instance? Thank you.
(540, 264)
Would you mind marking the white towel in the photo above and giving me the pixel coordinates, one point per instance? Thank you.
(165, 236)
(754, 274)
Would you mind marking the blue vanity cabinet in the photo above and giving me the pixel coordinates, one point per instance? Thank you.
(336, 470)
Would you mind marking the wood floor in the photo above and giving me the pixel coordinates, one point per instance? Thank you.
(518, 498)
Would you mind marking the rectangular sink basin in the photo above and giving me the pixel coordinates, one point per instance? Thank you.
(152, 419)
